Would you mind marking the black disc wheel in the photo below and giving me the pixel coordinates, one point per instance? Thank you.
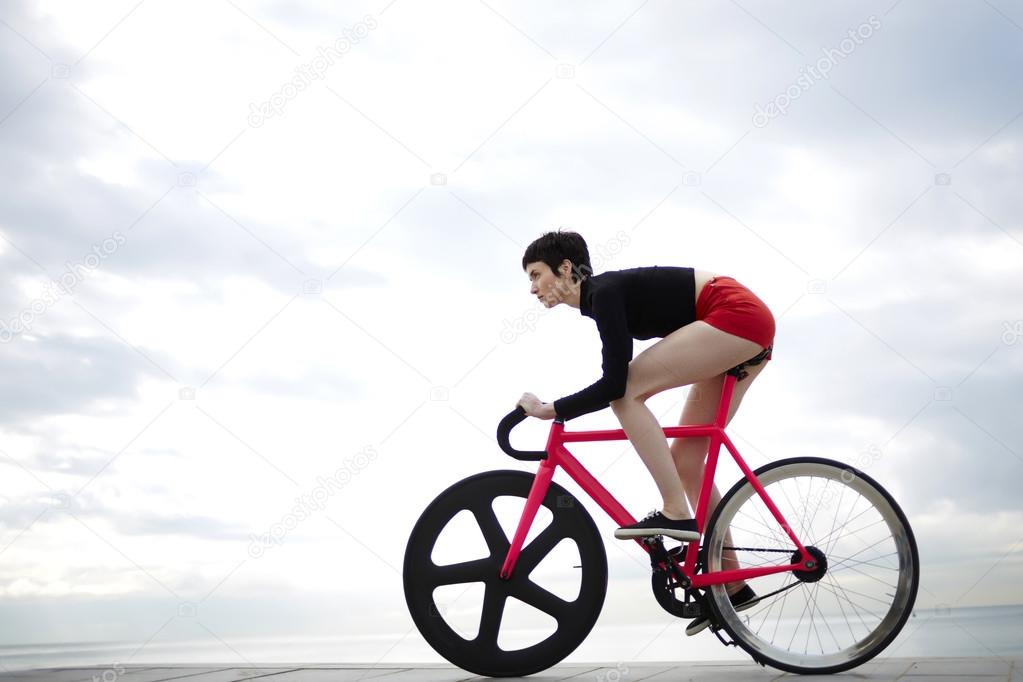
(481, 622)
(850, 601)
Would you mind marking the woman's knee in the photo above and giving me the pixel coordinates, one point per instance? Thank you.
(633, 396)
(621, 404)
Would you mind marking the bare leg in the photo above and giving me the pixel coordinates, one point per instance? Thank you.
(692, 477)
(647, 437)
(694, 353)
(690, 454)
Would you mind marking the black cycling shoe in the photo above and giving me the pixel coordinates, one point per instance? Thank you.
(741, 600)
(656, 523)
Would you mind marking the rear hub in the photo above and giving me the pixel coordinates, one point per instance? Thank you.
(814, 569)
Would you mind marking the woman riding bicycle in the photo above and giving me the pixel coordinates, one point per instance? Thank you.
(707, 325)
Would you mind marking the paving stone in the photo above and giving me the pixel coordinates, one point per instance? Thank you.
(906, 669)
(348, 673)
(157, 674)
(960, 667)
(220, 674)
(698, 670)
(50, 675)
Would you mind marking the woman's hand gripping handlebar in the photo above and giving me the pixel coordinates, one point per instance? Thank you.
(510, 421)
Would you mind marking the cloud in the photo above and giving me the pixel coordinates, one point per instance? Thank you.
(17, 514)
(76, 173)
(62, 374)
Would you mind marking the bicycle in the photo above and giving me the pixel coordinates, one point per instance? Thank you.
(828, 551)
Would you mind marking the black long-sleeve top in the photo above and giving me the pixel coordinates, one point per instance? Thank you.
(637, 303)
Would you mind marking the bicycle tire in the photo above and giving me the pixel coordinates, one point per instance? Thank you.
(482, 655)
(849, 515)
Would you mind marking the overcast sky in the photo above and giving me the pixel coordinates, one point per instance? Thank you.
(220, 291)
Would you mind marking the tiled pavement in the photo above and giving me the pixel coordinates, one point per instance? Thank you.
(912, 670)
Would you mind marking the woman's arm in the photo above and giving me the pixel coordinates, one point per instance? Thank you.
(609, 314)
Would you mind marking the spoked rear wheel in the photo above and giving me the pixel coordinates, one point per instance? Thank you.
(559, 581)
(856, 600)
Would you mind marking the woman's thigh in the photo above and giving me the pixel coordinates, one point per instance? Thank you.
(690, 354)
(701, 407)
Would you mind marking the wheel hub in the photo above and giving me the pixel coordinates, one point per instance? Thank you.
(814, 569)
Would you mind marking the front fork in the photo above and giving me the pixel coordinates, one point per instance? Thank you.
(541, 483)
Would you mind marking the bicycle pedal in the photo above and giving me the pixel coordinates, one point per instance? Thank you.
(678, 553)
(716, 629)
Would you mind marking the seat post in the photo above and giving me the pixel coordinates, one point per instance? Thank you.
(727, 389)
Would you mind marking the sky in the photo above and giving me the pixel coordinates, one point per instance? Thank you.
(226, 296)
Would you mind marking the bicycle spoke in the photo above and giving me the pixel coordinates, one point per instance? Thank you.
(491, 528)
(835, 589)
(800, 622)
(841, 608)
(490, 619)
(828, 541)
(465, 572)
(814, 609)
(769, 538)
(845, 595)
(822, 541)
(834, 521)
(788, 501)
(846, 559)
(827, 624)
(820, 500)
(777, 535)
(781, 610)
(890, 586)
(770, 603)
(545, 601)
(538, 548)
(849, 564)
(861, 550)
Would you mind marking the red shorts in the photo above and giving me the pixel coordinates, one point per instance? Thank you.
(729, 306)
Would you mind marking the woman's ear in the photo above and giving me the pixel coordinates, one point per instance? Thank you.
(565, 269)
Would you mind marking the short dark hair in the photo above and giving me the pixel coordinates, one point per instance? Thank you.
(554, 247)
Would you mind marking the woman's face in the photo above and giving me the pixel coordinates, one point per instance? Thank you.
(545, 284)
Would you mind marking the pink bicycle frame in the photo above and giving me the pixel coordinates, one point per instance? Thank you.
(558, 455)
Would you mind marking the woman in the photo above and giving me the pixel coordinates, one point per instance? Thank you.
(707, 324)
